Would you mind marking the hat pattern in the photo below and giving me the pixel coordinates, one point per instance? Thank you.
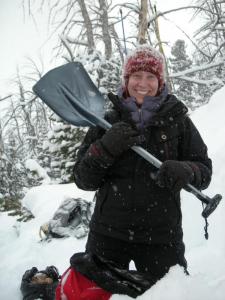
(144, 58)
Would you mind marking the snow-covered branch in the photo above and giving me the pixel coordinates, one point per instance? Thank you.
(207, 82)
(197, 69)
(34, 167)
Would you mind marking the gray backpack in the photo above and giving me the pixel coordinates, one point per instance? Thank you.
(71, 219)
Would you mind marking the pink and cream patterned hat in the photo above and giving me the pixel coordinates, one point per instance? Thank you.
(144, 58)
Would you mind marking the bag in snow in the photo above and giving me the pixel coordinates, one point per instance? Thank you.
(71, 219)
(91, 277)
(40, 284)
(75, 286)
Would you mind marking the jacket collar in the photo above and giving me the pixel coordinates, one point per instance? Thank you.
(170, 109)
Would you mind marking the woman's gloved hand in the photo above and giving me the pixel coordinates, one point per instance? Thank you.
(119, 138)
(174, 175)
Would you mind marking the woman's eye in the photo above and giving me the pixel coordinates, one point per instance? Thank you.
(151, 77)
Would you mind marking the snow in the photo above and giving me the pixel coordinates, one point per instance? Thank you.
(21, 247)
(33, 166)
(43, 201)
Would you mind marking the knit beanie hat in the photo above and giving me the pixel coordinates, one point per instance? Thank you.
(144, 58)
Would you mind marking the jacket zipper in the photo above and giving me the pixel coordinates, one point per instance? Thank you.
(141, 120)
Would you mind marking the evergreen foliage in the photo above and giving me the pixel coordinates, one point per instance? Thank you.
(61, 146)
(179, 62)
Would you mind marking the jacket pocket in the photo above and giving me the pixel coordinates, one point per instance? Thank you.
(167, 141)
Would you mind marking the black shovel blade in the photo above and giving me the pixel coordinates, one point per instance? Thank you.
(74, 77)
(94, 119)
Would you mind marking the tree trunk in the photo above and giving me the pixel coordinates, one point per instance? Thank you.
(1, 142)
(88, 25)
(117, 42)
(105, 28)
(157, 32)
(143, 23)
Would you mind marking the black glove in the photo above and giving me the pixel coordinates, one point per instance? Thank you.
(32, 289)
(119, 138)
(174, 175)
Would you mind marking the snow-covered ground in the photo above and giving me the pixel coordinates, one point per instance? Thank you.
(21, 248)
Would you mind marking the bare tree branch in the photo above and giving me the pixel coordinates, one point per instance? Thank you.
(66, 45)
(117, 41)
(131, 6)
(4, 98)
(217, 51)
(160, 14)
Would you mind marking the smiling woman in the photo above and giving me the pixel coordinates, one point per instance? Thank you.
(137, 214)
(142, 84)
(143, 74)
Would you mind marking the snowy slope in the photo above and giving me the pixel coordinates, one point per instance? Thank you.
(21, 249)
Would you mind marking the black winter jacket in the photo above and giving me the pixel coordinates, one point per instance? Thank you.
(129, 204)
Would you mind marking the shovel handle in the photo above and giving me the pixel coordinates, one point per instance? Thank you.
(211, 203)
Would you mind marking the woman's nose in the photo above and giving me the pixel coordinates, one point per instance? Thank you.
(143, 82)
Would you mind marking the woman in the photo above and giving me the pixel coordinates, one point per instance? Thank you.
(137, 214)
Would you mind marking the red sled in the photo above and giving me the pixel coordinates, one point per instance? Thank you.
(75, 286)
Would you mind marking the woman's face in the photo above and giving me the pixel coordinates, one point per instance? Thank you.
(141, 84)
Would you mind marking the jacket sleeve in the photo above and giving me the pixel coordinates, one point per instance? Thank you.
(93, 161)
(194, 151)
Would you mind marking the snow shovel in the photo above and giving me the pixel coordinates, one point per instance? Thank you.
(71, 94)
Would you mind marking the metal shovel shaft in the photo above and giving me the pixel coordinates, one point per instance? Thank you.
(211, 203)
(157, 163)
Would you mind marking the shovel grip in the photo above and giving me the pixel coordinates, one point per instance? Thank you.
(212, 205)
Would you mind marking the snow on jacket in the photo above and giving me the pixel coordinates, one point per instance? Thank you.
(129, 204)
